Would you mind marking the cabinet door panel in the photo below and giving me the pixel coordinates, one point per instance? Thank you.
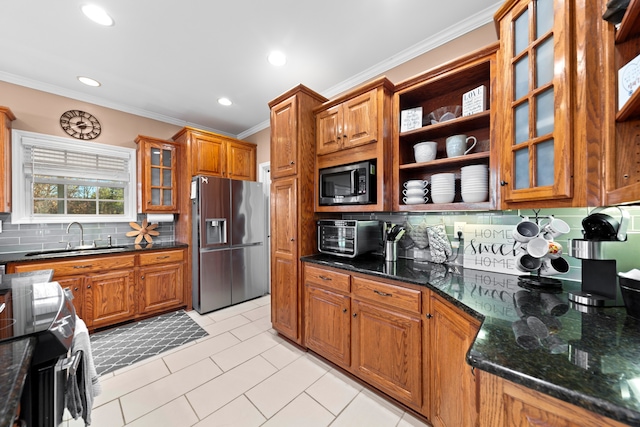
(284, 295)
(109, 298)
(387, 351)
(208, 156)
(328, 324)
(452, 380)
(360, 120)
(75, 285)
(241, 161)
(160, 288)
(329, 130)
(284, 141)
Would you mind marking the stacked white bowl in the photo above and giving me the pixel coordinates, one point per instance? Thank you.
(474, 183)
(443, 187)
(415, 192)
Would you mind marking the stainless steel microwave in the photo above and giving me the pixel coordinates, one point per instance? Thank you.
(352, 184)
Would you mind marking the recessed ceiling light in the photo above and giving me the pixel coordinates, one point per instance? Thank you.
(88, 81)
(97, 15)
(224, 101)
(277, 58)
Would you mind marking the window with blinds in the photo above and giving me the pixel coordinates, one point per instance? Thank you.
(61, 180)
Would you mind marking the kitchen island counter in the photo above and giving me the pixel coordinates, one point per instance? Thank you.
(589, 359)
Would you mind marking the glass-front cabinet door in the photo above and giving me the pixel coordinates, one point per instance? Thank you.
(534, 81)
(157, 168)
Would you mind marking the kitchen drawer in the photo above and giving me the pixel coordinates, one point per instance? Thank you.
(395, 296)
(80, 266)
(162, 257)
(327, 278)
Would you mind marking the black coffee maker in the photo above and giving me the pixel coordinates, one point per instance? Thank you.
(599, 273)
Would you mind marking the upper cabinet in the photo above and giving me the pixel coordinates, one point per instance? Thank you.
(623, 153)
(535, 64)
(355, 127)
(6, 117)
(433, 90)
(157, 175)
(218, 155)
(549, 112)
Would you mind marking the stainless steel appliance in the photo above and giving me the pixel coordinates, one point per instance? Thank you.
(32, 306)
(348, 238)
(352, 184)
(229, 250)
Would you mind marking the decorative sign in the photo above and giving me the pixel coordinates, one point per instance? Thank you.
(490, 248)
(474, 101)
(411, 119)
(628, 80)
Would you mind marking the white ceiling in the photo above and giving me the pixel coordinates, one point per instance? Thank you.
(171, 60)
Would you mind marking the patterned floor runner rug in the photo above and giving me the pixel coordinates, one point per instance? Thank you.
(122, 346)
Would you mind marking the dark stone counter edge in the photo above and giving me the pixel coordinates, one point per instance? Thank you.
(19, 376)
(582, 400)
(8, 257)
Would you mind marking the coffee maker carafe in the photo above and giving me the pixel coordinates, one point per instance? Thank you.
(599, 273)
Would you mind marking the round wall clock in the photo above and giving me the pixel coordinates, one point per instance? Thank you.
(80, 124)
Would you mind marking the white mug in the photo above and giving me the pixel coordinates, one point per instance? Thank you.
(415, 192)
(525, 230)
(456, 145)
(415, 183)
(554, 228)
(415, 200)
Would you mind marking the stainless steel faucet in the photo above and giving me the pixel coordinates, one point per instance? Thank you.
(81, 231)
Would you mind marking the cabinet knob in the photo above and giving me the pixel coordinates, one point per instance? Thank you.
(292, 162)
(88, 286)
(75, 289)
(344, 310)
(293, 239)
(503, 183)
(355, 314)
(429, 315)
(142, 277)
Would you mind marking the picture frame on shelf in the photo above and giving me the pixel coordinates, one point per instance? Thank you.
(410, 119)
(474, 101)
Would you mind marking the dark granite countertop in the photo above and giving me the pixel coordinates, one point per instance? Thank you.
(590, 358)
(15, 359)
(8, 257)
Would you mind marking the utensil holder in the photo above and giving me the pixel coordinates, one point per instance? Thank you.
(391, 251)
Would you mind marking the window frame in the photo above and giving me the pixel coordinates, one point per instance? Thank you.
(22, 193)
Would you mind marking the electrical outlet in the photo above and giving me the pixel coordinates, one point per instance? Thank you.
(458, 227)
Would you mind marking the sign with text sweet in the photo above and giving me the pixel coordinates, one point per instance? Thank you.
(490, 248)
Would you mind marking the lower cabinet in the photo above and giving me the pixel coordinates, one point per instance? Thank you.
(452, 383)
(111, 289)
(505, 404)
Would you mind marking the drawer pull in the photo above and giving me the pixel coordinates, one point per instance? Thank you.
(382, 294)
(82, 266)
(163, 257)
(325, 278)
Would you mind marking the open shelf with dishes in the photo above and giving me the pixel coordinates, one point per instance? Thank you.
(431, 91)
(623, 175)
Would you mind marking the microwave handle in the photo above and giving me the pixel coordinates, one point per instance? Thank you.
(354, 181)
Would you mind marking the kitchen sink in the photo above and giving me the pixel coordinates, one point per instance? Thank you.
(76, 251)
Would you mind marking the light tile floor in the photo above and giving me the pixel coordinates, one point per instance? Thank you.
(241, 375)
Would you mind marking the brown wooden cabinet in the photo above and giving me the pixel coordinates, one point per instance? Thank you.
(349, 124)
(160, 281)
(157, 175)
(111, 289)
(386, 316)
(328, 314)
(218, 155)
(622, 154)
(550, 117)
(441, 87)
(505, 404)
(6, 117)
(448, 337)
(356, 127)
(292, 218)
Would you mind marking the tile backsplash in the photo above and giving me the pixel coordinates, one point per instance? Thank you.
(625, 253)
(35, 237)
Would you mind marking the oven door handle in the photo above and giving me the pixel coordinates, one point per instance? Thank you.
(71, 363)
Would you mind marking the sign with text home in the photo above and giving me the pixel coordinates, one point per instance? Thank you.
(490, 248)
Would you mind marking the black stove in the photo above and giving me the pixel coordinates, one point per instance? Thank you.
(33, 306)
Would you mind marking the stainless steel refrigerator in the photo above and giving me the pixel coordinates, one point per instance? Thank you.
(229, 242)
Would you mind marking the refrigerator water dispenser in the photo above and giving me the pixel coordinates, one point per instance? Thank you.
(216, 231)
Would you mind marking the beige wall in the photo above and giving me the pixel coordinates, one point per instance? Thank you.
(469, 42)
(40, 112)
